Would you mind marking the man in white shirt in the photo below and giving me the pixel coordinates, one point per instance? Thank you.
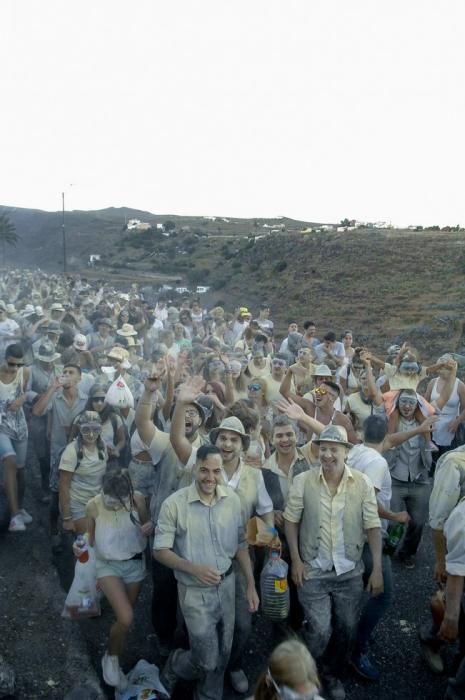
(9, 330)
(330, 349)
(367, 458)
(454, 531)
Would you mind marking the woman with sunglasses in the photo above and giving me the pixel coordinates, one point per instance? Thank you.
(118, 527)
(13, 433)
(113, 431)
(82, 466)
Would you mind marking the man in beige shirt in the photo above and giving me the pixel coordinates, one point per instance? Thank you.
(330, 512)
(198, 534)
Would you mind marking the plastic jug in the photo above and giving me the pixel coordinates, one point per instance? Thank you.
(274, 587)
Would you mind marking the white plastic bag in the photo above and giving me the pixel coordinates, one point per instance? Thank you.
(83, 599)
(119, 394)
(144, 684)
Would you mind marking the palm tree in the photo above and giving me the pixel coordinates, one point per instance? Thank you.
(8, 235)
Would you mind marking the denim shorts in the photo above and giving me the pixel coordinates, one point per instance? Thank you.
(9, 447)
(130, 571)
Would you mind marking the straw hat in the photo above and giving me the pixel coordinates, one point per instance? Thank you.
(333, 433)
(46, 353)
(234, 425)
(126, 330)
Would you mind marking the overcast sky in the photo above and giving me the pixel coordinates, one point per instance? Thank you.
(311, 109)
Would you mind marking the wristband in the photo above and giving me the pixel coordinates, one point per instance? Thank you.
(68, 517)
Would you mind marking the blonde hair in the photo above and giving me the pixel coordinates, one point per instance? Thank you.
(290, 664)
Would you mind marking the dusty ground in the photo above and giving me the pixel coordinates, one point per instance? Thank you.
(50, 655)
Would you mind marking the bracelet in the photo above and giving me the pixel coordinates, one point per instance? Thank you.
(68, 517)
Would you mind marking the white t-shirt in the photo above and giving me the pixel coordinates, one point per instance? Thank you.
(375, 467)
(7, 328)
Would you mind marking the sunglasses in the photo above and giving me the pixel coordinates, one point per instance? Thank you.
(90, 428)
(15, 364)
(98, 399)
(407, 402)
(254, 387)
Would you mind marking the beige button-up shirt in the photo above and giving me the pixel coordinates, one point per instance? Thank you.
(209, 535)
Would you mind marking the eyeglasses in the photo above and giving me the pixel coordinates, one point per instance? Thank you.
(15, 364)
(254, 387)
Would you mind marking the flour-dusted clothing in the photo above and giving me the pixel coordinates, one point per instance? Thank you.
(13, 423)
(117, 537)
(441, 435)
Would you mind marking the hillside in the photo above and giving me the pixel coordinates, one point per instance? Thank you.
(385, 285)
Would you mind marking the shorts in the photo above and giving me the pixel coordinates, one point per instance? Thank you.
(142, 476)
(130, 571)
(9, 447)
(77, 510)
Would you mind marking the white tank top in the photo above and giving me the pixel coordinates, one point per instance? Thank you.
(451, 410)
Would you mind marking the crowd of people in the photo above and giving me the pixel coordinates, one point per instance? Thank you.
(167, 426)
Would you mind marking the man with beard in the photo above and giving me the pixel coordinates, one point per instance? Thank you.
(249, 485)
(152, 446)
(199, 534)
(279, 470)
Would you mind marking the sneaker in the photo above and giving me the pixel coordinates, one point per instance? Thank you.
(27, 518)
(432, 657)
(239, 681)
(168, 676)
(365, 668)
(111, 670)
(334, 690)
(17, 524)
(408, 560)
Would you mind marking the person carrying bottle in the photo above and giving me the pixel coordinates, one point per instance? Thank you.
(118, 527)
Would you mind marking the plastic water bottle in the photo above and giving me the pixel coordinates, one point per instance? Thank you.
(274, 587)
(81, 543)
(394, 537)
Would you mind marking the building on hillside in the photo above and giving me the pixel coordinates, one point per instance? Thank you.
(327, 227)
(160, 227)
(93, 258)
(201, 290)
(307, 230)
(182, 290)
(138, 225)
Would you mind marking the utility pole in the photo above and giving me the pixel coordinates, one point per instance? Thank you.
(63, 232)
